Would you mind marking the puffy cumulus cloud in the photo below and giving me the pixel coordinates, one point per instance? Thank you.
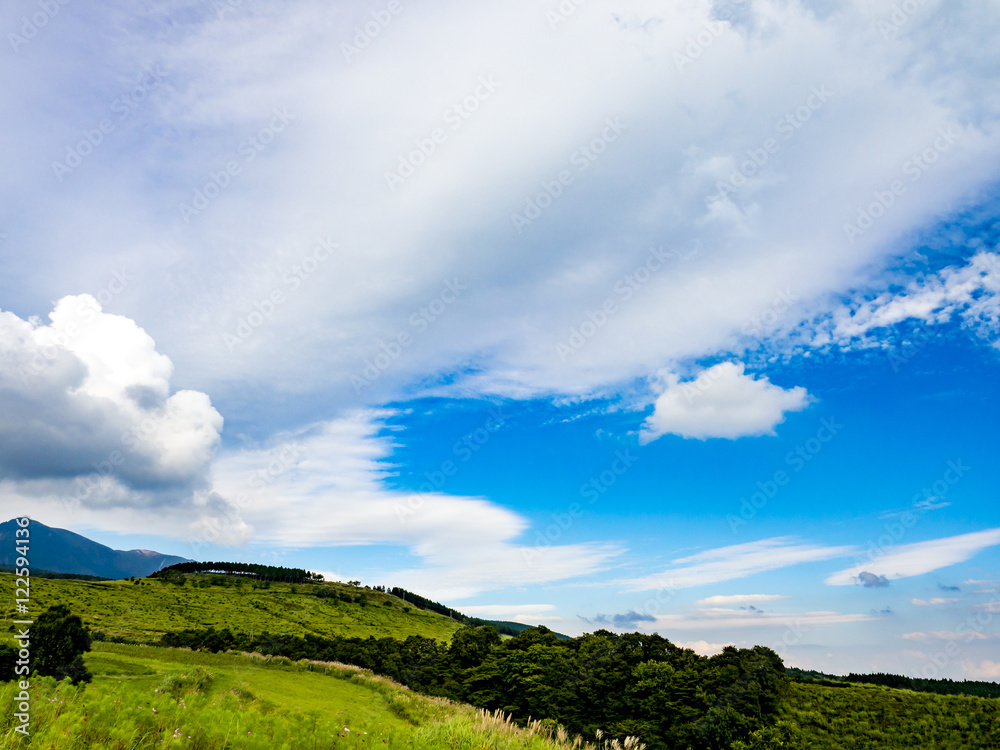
(722, 402)
(89, 413)
(907, 560)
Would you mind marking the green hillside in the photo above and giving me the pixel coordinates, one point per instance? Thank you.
(144, 697)
(623, 685)
(868, 716)
(144, 611)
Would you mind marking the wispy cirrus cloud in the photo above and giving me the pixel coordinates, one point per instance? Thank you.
(736, 561)
(916, 559)
(718, 601)
(739, 618)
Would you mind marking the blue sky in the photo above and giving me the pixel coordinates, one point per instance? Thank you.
(679, 319)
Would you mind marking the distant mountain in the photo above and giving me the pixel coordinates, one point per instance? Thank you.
(61, 551)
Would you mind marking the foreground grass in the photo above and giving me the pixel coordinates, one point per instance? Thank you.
(863, 717)
(143, 612)
(146, 697)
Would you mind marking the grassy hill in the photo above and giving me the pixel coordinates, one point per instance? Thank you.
(145, 697)
(870, 716)
(143, 611)
(209, 701)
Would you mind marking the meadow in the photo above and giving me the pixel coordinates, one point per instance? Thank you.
(142, 612)
(866, 717)
(146, 697)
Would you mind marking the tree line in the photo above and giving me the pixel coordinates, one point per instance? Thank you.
(261, 572)
(629, 684)
(977, 688)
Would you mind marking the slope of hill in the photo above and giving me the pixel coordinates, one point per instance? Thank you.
(870, 716)
(143, 611)
(147, 697)
(144, 697)
(61, 551)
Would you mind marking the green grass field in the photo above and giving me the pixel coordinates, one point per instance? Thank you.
(866, 717)
(209, 701)
(146, 697)
(143, 612)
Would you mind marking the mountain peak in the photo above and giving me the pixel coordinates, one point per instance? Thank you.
(63, 551)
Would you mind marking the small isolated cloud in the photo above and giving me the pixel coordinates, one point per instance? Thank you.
(909, 560)
(933, 602)
(628, 620)
(722, 402)
(722, 601)
(735, 561)
(704, 648)
(945, 587)
(930, 503)
(872, 581)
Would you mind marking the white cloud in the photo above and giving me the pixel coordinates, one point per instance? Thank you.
(736, 561)
(529, 614)
(933, 602)
(909, 560)
(970, 291)
(740, 599)
(91, 422)
(652, 187)
(740, 618)
(984, 670)
(506, 611)
(703, 648)
(325, 485)
(721, 402)
(951, 635)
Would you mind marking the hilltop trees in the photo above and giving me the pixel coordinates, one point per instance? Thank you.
(256, 570)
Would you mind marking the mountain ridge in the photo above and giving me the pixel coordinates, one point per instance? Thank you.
(62, 551)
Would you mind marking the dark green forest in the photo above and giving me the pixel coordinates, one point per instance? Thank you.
(625, 685)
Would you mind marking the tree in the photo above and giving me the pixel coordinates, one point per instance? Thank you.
(58, 641)
(469, 646)
(8, 661)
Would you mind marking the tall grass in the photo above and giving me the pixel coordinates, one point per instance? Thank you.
(146, 698)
